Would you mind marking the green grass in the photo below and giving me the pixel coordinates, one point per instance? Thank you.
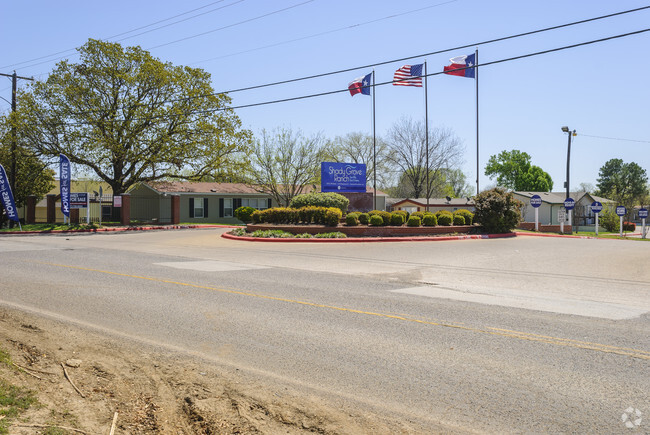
(51, 227)
(601, 234)
(13, 400)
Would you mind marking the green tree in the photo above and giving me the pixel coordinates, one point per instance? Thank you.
(33, 177)
(625, 183)
(129, 118)
(513, 170)
(283, 163)
(497, 210)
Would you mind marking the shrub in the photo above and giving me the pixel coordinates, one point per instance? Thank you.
(333, 235)
(244, 213)
(468, 215)
(414, 221)
(403, 213)
(441, 212)
(459, 220)
(497, 210)
(609, 220)
(419, 214)
(385, 216)
(445, 219)
(257, 216)
(304, 236)
(271, 234)
(397, 219)
(238, 232)
(429, 220)
(320, 199)
(376, 220)
(628, 226)
(364, 218)
(332, 217)
(352, 219)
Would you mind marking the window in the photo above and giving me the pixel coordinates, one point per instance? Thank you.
(258, 203)
(198, 207)
(227, 207)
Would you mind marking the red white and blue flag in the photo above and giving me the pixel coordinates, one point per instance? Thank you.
(360, 85)
(408, 75)
(462, 66)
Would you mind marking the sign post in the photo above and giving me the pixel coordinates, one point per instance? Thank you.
(596, 208)
(643, 214)
(561, 217)
(536, 202)
(569, 204)
(621, 211)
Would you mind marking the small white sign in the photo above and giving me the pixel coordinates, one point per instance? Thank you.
(561, 215)
(117, 201)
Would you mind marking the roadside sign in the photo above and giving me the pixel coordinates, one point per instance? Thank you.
(78, 199)
(536, 201)
(561, 215)
(643, 213)
(621, 210)
(596, 207)
(117, 201)
(569, 203)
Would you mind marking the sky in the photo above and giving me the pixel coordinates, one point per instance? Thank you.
(600, 90)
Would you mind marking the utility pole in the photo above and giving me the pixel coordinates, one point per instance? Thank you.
(14, 86)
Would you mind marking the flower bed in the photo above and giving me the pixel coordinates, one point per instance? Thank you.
(365, 230)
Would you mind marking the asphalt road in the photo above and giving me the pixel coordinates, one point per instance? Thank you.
(541, 335)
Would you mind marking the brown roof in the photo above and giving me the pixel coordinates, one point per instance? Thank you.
(202, 187)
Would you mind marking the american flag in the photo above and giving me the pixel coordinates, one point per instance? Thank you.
(408, 75)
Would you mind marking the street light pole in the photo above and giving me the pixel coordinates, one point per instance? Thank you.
(568, 158)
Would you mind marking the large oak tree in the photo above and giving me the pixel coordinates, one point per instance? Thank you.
(128, 117)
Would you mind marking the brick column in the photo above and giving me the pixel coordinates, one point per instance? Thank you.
(176, 209)
(74, 215)
(30, 218)
(51, 209)
(125, 212)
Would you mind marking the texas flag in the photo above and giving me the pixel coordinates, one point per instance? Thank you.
(360, 85)
(468, 62)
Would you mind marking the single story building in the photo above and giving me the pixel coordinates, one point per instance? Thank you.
(552, 202)
(205, 202)
(435, 204)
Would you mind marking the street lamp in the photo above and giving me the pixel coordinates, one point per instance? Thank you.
(568, 157)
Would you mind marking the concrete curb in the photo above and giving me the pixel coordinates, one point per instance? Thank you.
(569, 236)
(117, 229)
(368, 239)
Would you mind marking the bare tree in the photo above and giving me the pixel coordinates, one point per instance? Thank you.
(283, 162)
(407, 151)
(357, 147)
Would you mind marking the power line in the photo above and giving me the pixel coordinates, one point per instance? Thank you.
(490, 41)
(615, 138)
(338, 91)
(446, 50)
(120, 34)
(353, 26)
(232, 25)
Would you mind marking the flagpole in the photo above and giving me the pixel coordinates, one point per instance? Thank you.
(426, 129)
(476, 78)
(374, 146)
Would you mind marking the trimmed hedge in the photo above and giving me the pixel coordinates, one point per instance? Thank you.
(376, 220)
(320, 199)
(430, 220)
(414, 221)
(397, 219)
(459, 220)
(445, 219)
(244, 214)
(468, 215)
(364, 218)
(281, 215)
(385, 216)
(352, 219)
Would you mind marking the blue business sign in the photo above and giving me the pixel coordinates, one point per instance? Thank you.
(7, 197)
(596, 207)
(569, 203)
(64, 181)
(536, 201)
(621, 210)
(343, 177)
(643, 213)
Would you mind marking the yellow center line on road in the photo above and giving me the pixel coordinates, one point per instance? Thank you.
(558, 341)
